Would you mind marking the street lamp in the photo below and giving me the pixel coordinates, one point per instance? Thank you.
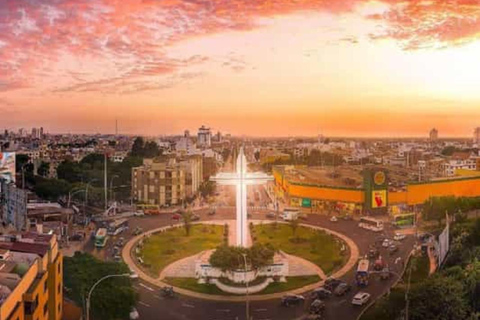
(87, 312)
(111, 189)
(86, 197)
(71, 193)
(247, 306)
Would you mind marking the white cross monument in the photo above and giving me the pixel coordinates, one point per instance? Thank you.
(241, 179)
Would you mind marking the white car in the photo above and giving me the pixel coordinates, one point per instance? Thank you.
(333, 219)
(387, 243)
(360, 298)
(134, 314)
(399, 237)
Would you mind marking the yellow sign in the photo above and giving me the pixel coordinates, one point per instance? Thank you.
(296, 202)
(379, 199)
(379, 178)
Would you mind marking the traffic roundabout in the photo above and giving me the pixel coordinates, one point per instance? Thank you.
(167, 257)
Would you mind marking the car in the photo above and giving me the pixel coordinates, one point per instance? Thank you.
(399, 236)
(134, 314)
(321, 293)
(211, 212)
(138, 213)
(392, 249)
(385, 274)
(271, 215)
(292, 300)
(379, 264)
(176, 216)
(342, 289)
(333, 219)
(387, 243)
(373, 253)
(360, 298)
(317, 306)
(117, 258)
(195, 217)
(137, 231)
(332, 283)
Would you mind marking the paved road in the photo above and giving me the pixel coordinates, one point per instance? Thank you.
(151, 306)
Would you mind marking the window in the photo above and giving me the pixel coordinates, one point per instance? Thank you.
(59, 267)
(45, 308)
(59, 288)
(45, 286)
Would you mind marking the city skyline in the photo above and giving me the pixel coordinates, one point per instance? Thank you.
(269, 68)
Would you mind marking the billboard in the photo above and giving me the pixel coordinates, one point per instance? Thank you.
(7, 166)
(379, 199)
(306, 202)
(443, 243)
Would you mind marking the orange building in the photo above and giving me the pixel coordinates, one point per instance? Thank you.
(31, 276)
(311, 195)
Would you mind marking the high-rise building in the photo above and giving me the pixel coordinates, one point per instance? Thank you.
(159, 182)
(476, 135)
(13, 205)
(31, 274)
(433, 134)
(204, 137)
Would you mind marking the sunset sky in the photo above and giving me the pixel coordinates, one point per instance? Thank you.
(254, 67)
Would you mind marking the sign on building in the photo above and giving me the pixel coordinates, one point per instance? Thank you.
(443, 243)
(7, 166)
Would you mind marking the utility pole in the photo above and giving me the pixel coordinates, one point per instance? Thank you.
(105, 183)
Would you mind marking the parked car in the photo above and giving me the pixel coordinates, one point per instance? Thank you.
(332, 283)
(292, 300)
(176, 216)
(361, 298)
(399, 236)
(195, 217)
(333, 219)
(342, 289)
(317, 307)
(321, 293)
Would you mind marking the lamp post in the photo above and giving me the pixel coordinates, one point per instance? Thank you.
(71, 193)
(247, 306)
(86, 197)
(111, 187)
(87, 312)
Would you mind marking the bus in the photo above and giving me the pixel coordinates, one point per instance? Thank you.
(290, 214)
(405, 220)
(149, 209)
(361, 275)
(371, 224)
(117, 226)
(101, 238)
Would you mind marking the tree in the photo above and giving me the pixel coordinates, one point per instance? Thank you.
(294, 226)
(187, 221)
(43, 169)
(438, 297)
(227, 258)
(113, 299)
(137, 147)
(207, 189)
(143, 149)
(51, 189)
(260, 255)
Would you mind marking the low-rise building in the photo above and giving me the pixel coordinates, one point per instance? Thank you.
(159, 182)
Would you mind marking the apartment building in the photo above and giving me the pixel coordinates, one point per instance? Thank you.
(31, 274)
(159, 182)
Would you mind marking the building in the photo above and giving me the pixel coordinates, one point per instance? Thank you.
(185, 145)
(204, 137)
(31, 277)
(459, 161)
(193, 168)
(476, 136)
(13, 202)
(433, 134)
(159, 182)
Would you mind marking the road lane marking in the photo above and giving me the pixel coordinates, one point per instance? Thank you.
(260, 310)
(158, 297)
(187, 305)
(146, 287)
(144, 304)
(223, 310)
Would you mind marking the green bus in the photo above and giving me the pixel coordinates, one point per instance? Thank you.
(405, 220)
(101, 238)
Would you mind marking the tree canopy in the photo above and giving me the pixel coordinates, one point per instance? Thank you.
(230, 258)
(112, 299)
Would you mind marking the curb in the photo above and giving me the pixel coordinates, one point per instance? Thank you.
(128, 259)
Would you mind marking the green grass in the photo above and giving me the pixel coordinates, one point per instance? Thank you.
(192, 285)
(161, 249)
(316, 246)
(291, 284)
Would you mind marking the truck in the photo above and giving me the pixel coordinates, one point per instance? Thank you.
(101, 238)
(290, 214)
(362, 273)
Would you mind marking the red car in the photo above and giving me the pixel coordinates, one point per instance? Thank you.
(176, 216)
